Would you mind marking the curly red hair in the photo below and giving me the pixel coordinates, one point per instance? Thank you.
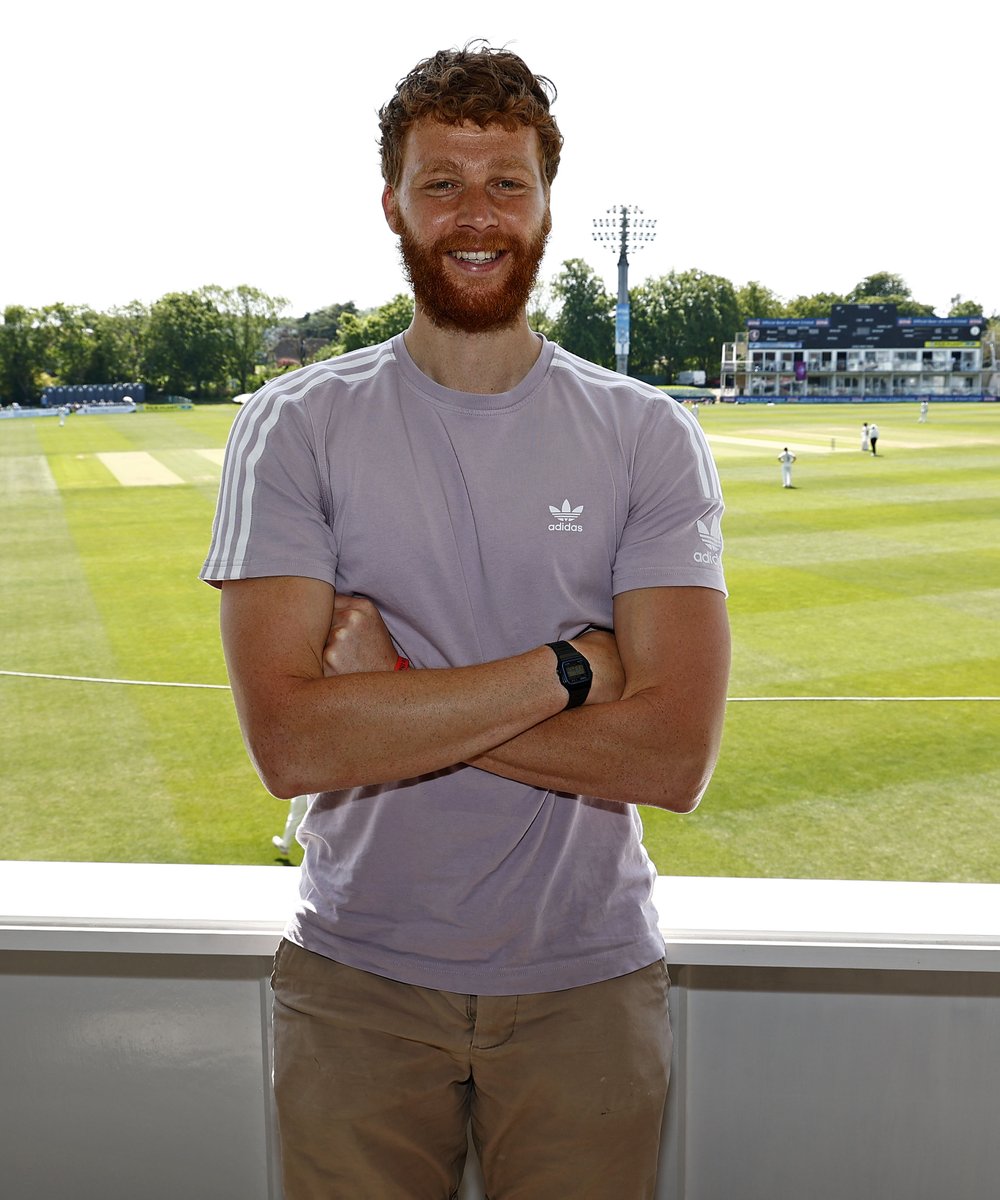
(478, 83)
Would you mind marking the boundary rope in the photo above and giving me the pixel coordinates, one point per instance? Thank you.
(224, 687)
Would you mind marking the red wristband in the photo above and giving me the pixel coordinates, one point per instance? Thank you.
(402, 664)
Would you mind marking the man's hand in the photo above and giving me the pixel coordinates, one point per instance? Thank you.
(358, 639)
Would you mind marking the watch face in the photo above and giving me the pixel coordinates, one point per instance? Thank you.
(575, 671)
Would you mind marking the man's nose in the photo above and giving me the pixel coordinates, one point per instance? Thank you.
(477, 209)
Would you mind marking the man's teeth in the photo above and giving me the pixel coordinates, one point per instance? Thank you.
(475, 255)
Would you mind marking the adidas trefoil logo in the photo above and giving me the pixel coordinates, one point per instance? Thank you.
(711, 535)
(567, 518)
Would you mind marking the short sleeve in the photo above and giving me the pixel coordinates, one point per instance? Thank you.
(273, 512)
(672, 535)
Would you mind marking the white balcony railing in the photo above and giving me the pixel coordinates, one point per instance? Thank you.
(832, 1039)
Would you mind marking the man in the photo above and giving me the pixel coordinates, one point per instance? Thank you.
(873, 436)
(282, 842)
(423, 550)
(786, 458)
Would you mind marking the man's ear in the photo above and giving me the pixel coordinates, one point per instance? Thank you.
(390, 209)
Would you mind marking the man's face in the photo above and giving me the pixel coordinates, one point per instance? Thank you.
(472, 212)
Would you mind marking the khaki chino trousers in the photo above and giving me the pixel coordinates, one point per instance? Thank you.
(377, 1082)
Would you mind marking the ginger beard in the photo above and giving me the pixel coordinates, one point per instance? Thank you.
(481, 304)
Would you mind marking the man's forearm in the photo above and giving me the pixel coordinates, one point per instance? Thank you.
(322, 710)
(629, 751)
(327, 734)
(658, 744)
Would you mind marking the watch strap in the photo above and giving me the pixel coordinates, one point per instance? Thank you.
(573, 671)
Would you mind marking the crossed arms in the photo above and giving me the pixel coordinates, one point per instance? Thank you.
(321, 708)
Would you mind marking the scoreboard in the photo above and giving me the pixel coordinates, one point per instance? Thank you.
(856, 326)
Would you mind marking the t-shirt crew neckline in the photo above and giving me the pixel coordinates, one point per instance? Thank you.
(473, 401)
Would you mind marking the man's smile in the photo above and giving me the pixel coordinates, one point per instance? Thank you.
(476, 256)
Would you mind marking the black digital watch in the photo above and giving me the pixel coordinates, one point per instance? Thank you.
(573, 671)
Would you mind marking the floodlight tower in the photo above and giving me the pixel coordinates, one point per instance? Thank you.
(623, 228)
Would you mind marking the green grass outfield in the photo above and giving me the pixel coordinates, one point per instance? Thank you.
(865, 605)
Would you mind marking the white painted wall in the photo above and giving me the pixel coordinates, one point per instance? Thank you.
(831, 1039)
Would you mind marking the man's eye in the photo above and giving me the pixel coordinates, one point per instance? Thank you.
(441, 185)
(509, 185)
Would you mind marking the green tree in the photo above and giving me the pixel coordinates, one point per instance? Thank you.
(186, 347)
(23, 348)
(885, 288)
(72, 345)
(657, 332)
(755, 300)
(712, 316)
(873, 288)
(585, 324)
(358, 330)
(246, 314)
(324, 322)
(121, 342)
(681, 321)
(965, 308)
(818, 305)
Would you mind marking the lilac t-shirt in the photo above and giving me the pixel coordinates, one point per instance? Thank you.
(481, 526)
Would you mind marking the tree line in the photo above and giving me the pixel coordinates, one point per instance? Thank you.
(200, 343)
(215, 342)
(680, 321)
